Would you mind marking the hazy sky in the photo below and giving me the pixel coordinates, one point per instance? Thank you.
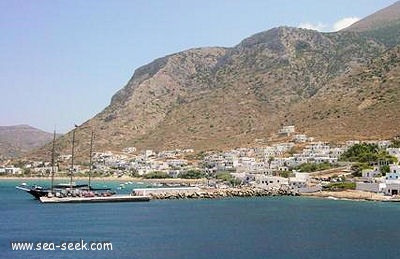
(62, 60)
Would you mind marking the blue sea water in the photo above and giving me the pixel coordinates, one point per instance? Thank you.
(270, 227)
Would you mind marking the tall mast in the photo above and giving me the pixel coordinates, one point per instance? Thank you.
(72, 158)
(91, 156)
(53, 161)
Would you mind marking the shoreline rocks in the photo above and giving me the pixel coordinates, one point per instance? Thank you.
(223, 193)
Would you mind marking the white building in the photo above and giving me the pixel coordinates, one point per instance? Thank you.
(45, 169)
(394, 174)
(392, 180)
(287, 130)
(129, 150)
(300, 138)
(177, 162)
(245, 177)
(148, 153)
(270, 182)
(350, 143)
(12, 170)
(390, 186)
(302, 183)
(376, 187)
(394, 152)
(370, 173)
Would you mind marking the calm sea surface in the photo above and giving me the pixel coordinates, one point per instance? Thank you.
(272, 227)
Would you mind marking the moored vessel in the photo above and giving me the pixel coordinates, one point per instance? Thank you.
(40, 191)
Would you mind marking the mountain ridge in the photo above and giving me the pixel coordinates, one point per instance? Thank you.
(219, 98)
(17, 140)
(377, 20)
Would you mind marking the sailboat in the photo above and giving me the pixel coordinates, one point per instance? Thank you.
(39, 191)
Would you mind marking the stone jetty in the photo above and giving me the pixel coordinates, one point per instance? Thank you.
(216, 193)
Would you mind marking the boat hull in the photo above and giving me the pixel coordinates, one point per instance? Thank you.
(114, 198)
(35, 192)
(38, 192)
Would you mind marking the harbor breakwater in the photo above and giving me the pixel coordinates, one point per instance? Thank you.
(216, 193)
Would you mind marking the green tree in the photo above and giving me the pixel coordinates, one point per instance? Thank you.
(384, 169)
(192, 174)
(227, 177)
(312, 167)
(367, 153)
(364, 153)
(285, 174)
(340, 186)
(134, 173)
(156, 175)
(358, 168)
(395, 143)
(27, 171)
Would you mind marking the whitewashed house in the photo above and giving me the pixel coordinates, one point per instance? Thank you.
(45, 170)
(390, 185)
(350, 143)
(300, 180)
(276, 163)
(12, 170)
(376, 187)
(394, 152)
(300, 159)
(245, 178)
(254, 168)
(392, 188)
(383, 143)
(287, 130)
(300, 138)
(283, 147)
(148, 153)
(160, 165)
(394, 173)
(392, 180)
(270, 152)
(270, 182)
(177, 162)
(302, 183)
(129, 150)
(370, 173)
(336, 152)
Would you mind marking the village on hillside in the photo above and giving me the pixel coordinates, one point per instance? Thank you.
(301, 164)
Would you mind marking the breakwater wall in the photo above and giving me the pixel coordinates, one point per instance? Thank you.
(216, 193)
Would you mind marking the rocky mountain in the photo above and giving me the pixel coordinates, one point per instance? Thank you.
(384, 18)
(20, 139)
(335, 86)
(382, 26)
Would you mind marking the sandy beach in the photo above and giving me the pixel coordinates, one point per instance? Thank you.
(349, 194)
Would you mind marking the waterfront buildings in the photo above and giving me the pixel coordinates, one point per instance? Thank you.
(375, 182)
(268, 166)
